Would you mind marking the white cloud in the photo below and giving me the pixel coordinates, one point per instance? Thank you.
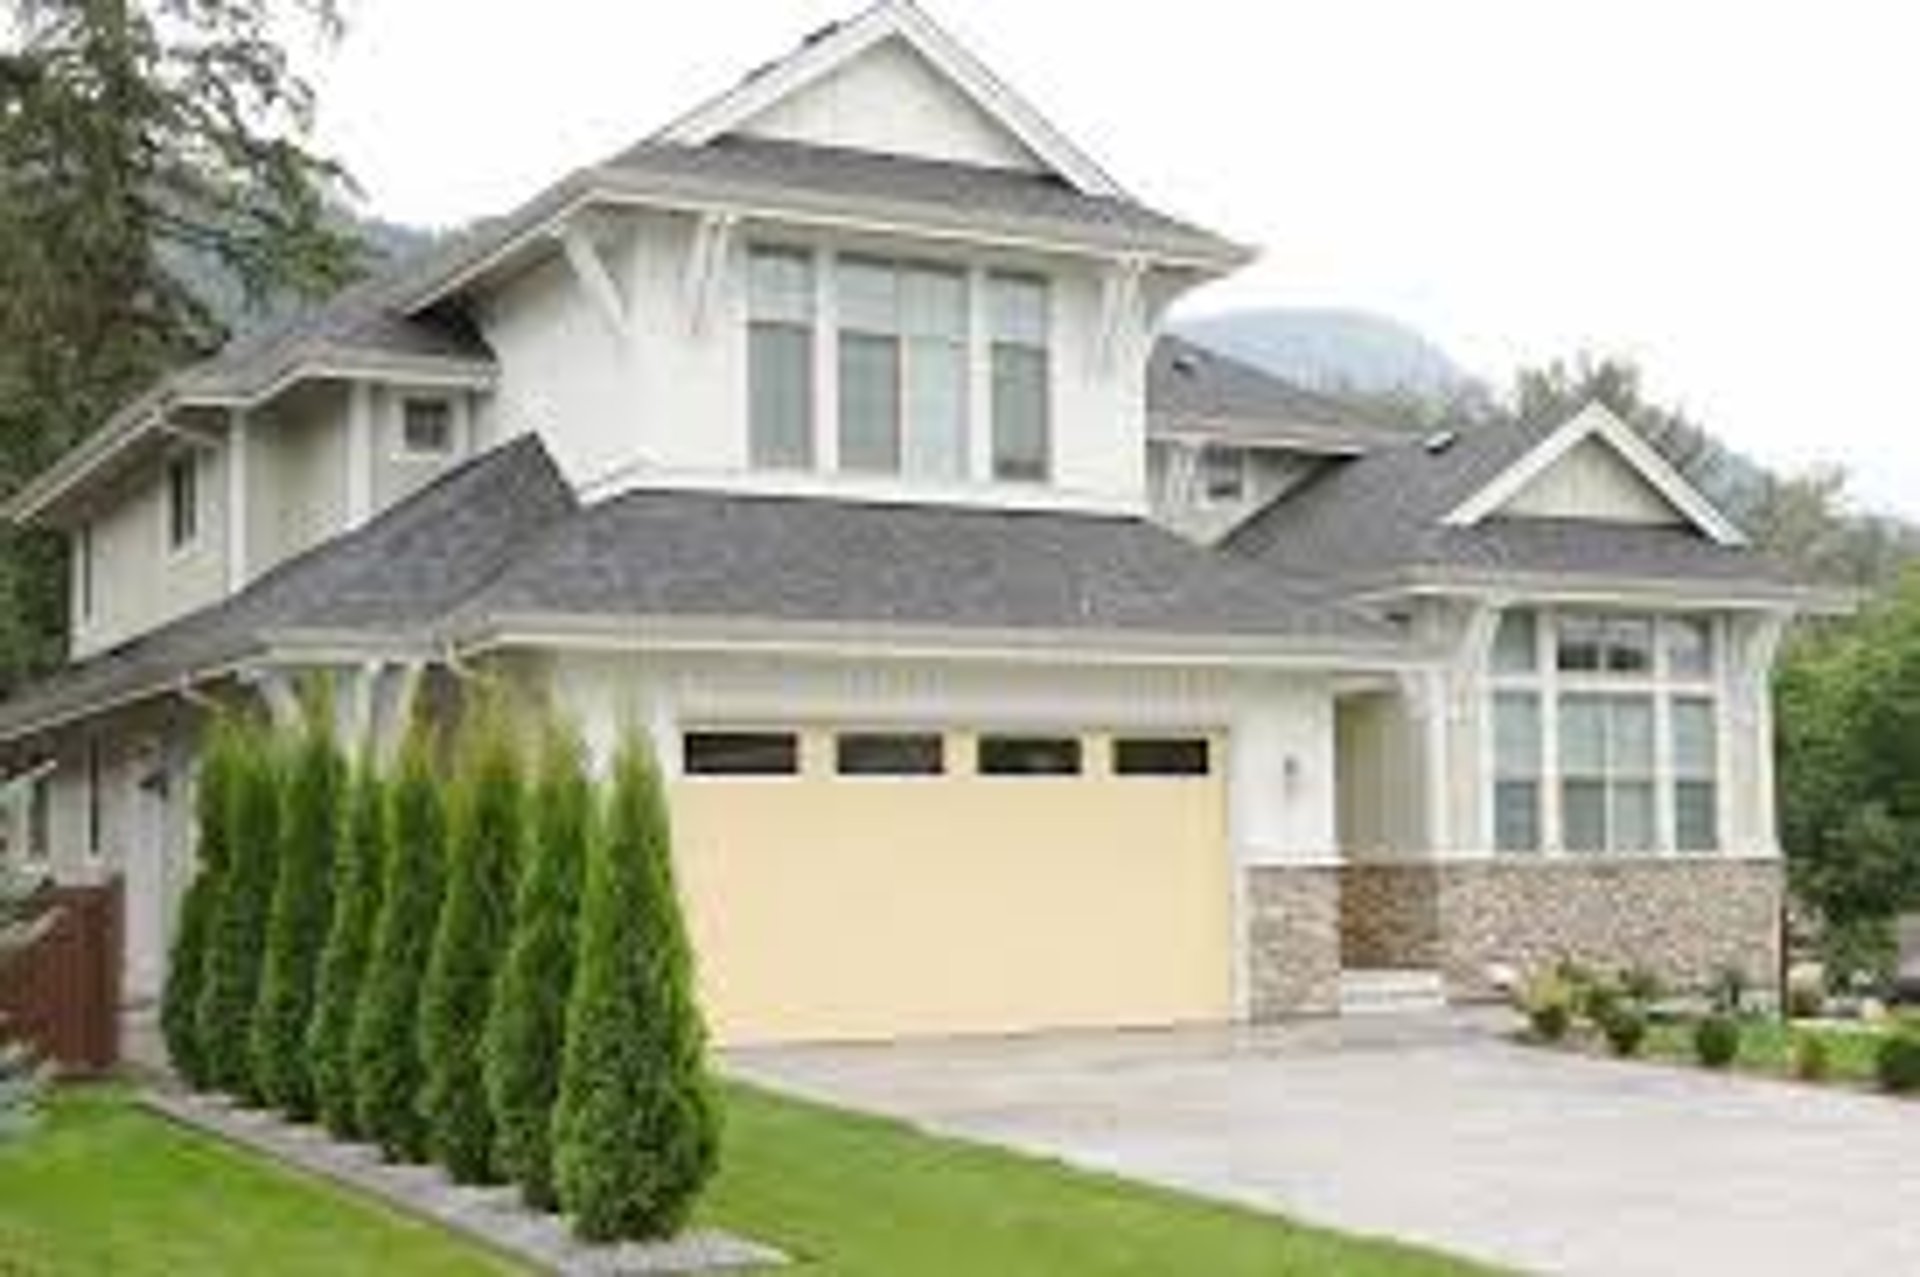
(1724, 191)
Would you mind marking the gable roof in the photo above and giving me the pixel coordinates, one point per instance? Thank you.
(1596, 422)
(1382, 521)
(397, 575)
(1195, 391)
(838, 44)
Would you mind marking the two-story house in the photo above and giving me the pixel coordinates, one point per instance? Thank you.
(1013, 666)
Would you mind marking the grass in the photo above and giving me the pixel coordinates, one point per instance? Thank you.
(1766, 1046)
(105, 1187)
(855, 1196)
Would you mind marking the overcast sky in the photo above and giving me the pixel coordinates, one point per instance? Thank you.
(1726, 192)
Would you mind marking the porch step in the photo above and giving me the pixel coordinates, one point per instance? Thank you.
(1391, 991)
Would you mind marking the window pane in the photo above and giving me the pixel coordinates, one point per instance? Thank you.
(868, 296)
(1029, 756)
(183, 501)
(1583, 815)
(936, 444)
(780, 287)
(1696, 815)
(1516, 735)
(890, 754)
(740, 753)
(1018, 310)
(1689, 647)
(1583, 736)
(1161, 756)
(1631, 736)
(1629, 645)
(933, 303)
(1694, 754)
(780, 387)
(869, 403)
(1020, 425)
(1579, 641)
(1224, 471)
(1633, 818)
(1516, 647)
(426, 426)
(1516, 815)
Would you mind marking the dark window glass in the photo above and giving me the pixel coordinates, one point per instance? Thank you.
(1161, 756)
(95, 799)
(426, 427)
(1029, 756)
(890, 754)
(183, 501)
(741, 753)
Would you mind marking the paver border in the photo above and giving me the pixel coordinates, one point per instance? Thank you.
(493, 1217)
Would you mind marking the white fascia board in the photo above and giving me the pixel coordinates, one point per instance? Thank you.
(1669, 594)
(892, 19)
(831, 640)
(1597, 421)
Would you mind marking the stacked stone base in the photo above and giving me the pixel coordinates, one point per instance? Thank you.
(1684, 920)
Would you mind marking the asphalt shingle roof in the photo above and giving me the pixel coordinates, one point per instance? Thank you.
(807, 559)
(1191, 387)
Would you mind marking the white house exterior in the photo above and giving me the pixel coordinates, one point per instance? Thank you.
(1013, 666)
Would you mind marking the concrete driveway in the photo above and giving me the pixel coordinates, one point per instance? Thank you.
(1435, 1131)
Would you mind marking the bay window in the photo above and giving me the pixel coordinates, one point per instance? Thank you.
(1022, 428)
(903, 369)
(1604, 733)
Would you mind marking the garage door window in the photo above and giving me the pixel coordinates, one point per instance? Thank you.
(1029, 756)
(890, 754)
(740, 754)
(1161, 756)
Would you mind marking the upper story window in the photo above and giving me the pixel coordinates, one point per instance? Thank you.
(903, 369)
(1611, 742)
(426, 428)
(183, 501)
(1020, 319)
(83, 571)
(780, 307)
(1223, 474)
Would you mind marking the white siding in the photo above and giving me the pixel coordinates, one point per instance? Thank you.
(890, 99)
(1593, 482)
(298, 458)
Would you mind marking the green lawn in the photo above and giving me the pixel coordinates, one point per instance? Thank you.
(108, 1188)
(1766, 1046)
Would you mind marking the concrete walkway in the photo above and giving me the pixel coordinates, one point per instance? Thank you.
(1436, 1131)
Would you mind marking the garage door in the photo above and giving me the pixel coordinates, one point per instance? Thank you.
(845, 885)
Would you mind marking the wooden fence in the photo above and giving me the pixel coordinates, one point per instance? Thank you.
(62, 994)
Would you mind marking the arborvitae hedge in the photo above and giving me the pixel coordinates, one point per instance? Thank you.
(232, 977)
(384, 1048)
(358, 869)
(475, 928)
(527, 1025)
(302, 910)
(199, 911)
(636, 1131)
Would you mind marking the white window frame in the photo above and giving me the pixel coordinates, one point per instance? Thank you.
(1660, 682)
(403, 450)
(190, 462)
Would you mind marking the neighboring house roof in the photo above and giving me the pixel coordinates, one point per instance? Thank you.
(1382, 519)
(680, 554)
(1194, 391)
(399, 574)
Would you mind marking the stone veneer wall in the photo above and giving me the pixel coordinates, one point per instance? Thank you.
(1292, 916)
(1683, 919)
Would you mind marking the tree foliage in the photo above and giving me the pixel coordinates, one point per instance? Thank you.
(234, 955)
(300, 915)
(636, 1131)
(199, 911)
(384, 1049)
(144, 144)
(475, 927)
(527, 1024)
(358, 871)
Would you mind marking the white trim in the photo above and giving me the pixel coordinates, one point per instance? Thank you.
(893, 19)
(1596, 421)
(590, 271)
(360, 454)
(239, 427)
(403, 452)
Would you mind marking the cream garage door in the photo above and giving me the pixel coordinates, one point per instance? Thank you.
(932, 892)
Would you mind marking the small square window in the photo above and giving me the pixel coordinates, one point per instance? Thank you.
(1029, 756)
(1224, 472)
(426, 427)
(890, 754)
(1161, 756)
(740, 754)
